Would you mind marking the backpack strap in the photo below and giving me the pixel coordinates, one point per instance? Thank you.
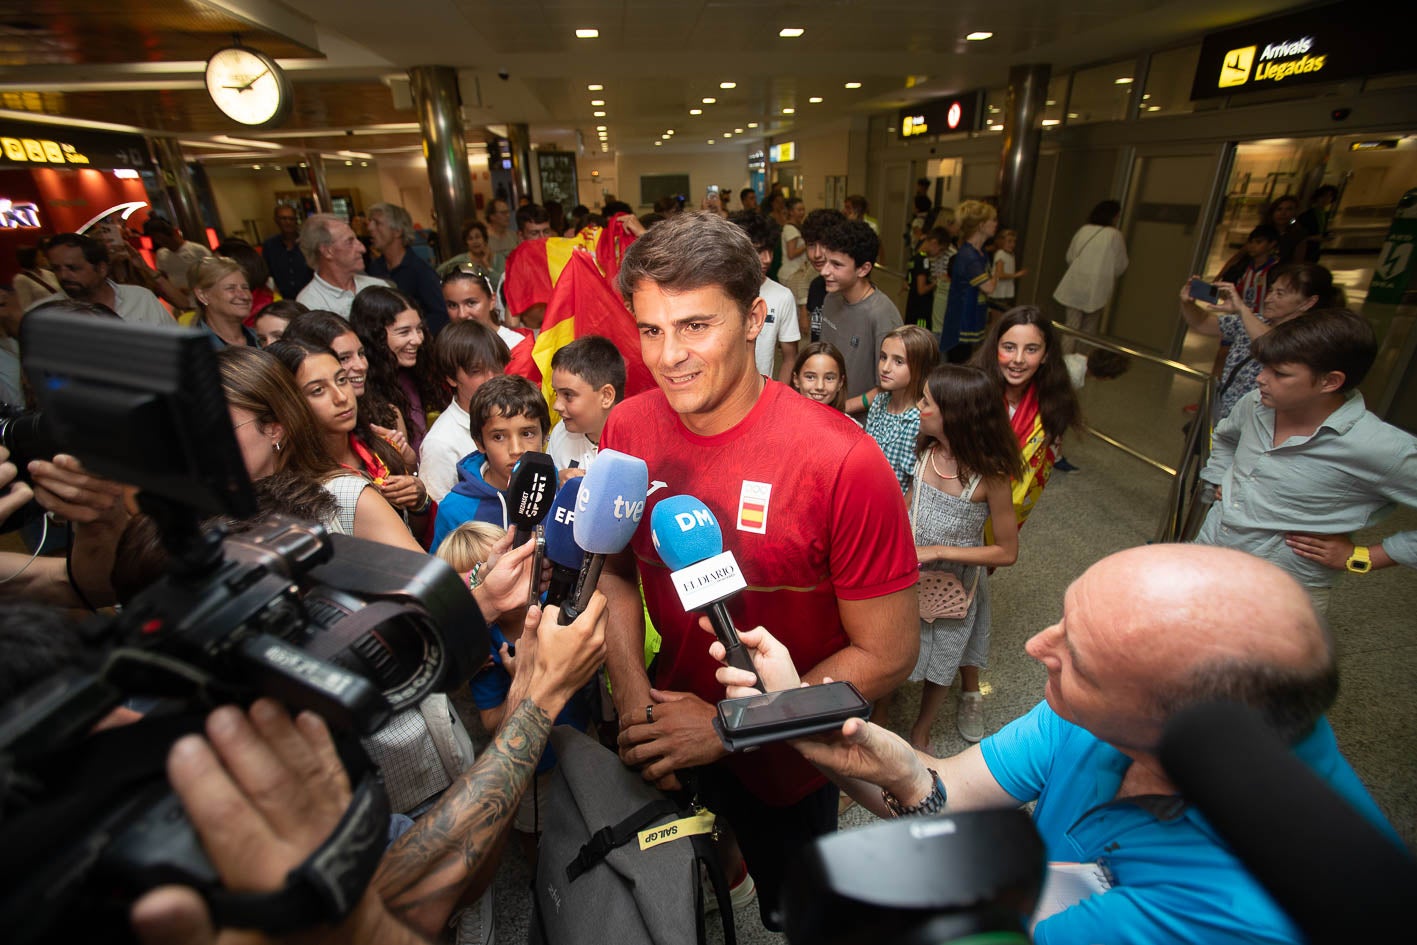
(707, 853)
(609, 838)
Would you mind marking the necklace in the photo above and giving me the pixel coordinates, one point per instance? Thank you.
(937, 468)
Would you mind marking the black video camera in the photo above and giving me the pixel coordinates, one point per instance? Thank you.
(350, 629)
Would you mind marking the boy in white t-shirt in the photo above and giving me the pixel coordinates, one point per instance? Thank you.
(781, 328)
(588, 376)
(467, 353)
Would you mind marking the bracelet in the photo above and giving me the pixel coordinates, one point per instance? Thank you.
(474, 577)
(933, 803)
(423, 508)
(865, 403)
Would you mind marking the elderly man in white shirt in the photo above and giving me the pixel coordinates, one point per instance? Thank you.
(337, 256)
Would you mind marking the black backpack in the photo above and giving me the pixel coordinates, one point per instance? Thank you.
(594, 881)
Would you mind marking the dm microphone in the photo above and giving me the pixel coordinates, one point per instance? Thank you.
(608, 510)
(565, 555)
(1328, 867)
(690, 542)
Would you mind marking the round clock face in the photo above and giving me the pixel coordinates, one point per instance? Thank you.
(247, 86)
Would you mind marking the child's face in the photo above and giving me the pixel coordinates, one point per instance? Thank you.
(466, 383)
(326, 388)
(405, 337)
(504, 440)
(468, 299)
(892, 369)
(841, 272)
(269, 329)
(1259, 248)
(819, 379)
(582, 407)
(1008, 242)
(817, 255)
(930, 417)
(930, 247)
(1291, 386)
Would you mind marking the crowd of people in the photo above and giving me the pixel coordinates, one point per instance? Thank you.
(891, 465)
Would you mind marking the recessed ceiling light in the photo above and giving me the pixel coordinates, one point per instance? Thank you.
(710, 100)
(658, 144)
(815, 100)
(853, 85)
(595, 87)
(752, 124)
(789, 111)
(791, 32)
(669, 131)
(737, 131)
(710, 141)
(1124, 80)
(696, 111)
(665, 137)
(587, 34)
(728, 134)
(728, 85)
(1049, 122)
(363, 163)
(1050, 102)
(978, 35)
(996, 127)
(600, 128)
(348, 163)
(1072, 114)
(1153, 108)
(598, 114)
(597, 102)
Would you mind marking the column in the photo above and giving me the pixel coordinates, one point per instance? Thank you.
(439, 105)
(519, 142)
(319, 186)
(1027, 95)
(177, 184)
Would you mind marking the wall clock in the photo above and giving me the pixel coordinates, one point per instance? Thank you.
(248, 86)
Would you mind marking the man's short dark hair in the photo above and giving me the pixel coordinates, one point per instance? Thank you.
(1264, 232)
(818, 222)
(760, 229)
(612, 207)
(854, 238)
(507, 395)
(1290, 700)
(595, 360)
(157, 226)
(1324, 340)
(691, 251)
(745, 193)
(469, 345)
(94, 251)
(531, 213)
(939, 234)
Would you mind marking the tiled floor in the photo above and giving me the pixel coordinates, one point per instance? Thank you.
(1115, 502)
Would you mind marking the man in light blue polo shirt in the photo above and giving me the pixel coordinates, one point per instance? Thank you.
(1145, 633)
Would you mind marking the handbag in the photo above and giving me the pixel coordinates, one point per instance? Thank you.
(942, 593)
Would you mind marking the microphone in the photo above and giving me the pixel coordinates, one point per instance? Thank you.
(1335, 874)
(689, 539)
(565, 555)
(608, 510)
(529, 494)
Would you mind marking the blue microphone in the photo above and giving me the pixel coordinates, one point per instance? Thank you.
(565, 555)
(609, 507)
(690, 542)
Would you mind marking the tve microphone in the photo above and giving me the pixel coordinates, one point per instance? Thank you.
(1337, 875)
(608, 510)
(565, 555)
(690, 542)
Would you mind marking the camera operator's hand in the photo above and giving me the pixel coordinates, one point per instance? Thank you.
(18, 494)
(770, 658)
(505, 575)
(553, 661)
(263, 792)
(64, 488)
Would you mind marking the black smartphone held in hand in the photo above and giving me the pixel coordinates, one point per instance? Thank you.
(1202, 291)
(788, 713)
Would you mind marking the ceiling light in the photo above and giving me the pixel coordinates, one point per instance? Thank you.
(710, 141)
(696, 111)
(664, 137)
(815, 100)
(789, 111)
(363, 163)
(1124, 80)
(601, 128)
(1072, 114)
(595, 87)
(1049, 122)
(737, 131)
(978, 35)
(597, 102)
(791, 32)
(996, 127)
(853, 85)
(710, 100)
(348, 163)
(728, 134)
(587, 34)
(659, 144)
(752, 124)
(598, 114)
(669, 131)
(1146, 95)
(1153, 108)
(728, 85)
(1050, 102)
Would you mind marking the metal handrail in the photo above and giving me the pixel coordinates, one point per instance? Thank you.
(1181, 513)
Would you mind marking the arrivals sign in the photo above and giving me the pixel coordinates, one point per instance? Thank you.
(1323, 45)
(35, 145)
(940, 116)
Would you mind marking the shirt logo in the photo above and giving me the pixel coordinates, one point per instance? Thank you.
(1235, 68)
(753, 507)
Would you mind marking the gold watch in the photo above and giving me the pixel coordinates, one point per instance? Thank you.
(1360, 562)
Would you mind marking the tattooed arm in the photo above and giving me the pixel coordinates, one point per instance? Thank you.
(451, 852)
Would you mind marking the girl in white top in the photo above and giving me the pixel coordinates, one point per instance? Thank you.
(1096, 257)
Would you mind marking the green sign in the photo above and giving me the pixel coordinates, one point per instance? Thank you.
(1392, 274)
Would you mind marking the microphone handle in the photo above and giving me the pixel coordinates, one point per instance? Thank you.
(737, 655)
(522, 534)
(533, 595)
(563, 584)
(590, 576)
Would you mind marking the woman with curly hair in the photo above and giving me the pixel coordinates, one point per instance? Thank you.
(402, 387)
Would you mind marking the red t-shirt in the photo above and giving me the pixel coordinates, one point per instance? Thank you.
(811, 511)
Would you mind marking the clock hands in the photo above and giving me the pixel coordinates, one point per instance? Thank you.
(243, 88)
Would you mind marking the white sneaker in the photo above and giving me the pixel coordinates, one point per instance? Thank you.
(739, 895)
(970, 716)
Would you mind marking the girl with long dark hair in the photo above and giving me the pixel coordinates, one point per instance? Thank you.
(402, 387)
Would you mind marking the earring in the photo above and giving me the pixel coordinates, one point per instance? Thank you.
(276, 444)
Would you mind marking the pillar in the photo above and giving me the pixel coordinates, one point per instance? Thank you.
(519, 142)
(177, 184)
(1023, 105)
(439, 105)
(319, 187)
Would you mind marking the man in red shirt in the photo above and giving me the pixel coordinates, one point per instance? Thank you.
(809, 508)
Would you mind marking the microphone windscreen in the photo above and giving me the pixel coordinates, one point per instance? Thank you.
(561, 547)
(684, 531)
(611, 503)
(531, 489)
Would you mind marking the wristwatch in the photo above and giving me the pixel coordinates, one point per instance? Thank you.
(1360, 562)
(933, 803)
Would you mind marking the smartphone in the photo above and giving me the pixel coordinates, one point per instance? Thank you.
(788, 713)
(1203, 291)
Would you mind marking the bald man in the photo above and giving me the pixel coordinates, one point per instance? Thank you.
(1145, 633)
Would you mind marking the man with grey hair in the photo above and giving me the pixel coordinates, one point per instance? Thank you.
(391, 235)
(337, 256)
